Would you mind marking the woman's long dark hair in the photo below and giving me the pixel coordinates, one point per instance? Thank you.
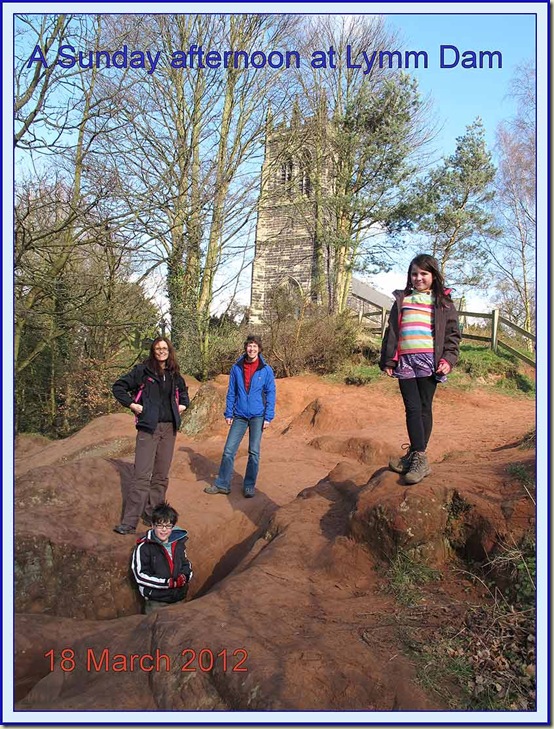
(171, 363)
(428, 263)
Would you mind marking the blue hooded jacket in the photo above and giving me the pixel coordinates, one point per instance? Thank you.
(259, 400)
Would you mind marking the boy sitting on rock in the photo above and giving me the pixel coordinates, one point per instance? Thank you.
(159, 563)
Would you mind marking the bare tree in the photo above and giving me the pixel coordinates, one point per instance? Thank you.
(513, 260)
(36, 82)
(71, 254)
(190, 154)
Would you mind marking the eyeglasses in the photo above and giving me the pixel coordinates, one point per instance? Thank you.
(163, 526)
(161, 349)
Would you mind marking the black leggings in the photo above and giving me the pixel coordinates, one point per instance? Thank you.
(417, 394)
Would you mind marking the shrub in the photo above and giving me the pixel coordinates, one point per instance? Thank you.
(514, 568)
(314, 341)
(224, 345)
(529, 440)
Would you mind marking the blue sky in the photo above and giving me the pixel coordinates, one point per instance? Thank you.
(460, 94)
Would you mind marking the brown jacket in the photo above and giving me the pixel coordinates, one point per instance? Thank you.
(446, 333)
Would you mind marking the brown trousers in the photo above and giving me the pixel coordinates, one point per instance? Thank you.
(153, 456)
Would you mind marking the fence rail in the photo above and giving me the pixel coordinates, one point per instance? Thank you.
(516, 353)
(477, 337)
(476, 314)
(517, 328)
(494, 338)
(376, 321)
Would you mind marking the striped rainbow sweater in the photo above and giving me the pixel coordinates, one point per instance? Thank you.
(416, 323)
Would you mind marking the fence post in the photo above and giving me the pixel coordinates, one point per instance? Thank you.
(494, 329)
(383, 321)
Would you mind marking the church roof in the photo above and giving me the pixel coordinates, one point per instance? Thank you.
(367, 292)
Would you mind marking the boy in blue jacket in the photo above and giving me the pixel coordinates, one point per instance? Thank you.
(250, 406)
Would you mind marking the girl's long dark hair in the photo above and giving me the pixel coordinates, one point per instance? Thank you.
(171, 363)
(428, 263)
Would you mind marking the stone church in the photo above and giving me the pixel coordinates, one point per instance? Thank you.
(286, 255)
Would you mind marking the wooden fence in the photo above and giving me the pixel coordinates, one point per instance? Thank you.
(495, 341)
(376, 320)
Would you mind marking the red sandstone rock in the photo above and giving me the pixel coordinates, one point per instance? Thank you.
(288, 576)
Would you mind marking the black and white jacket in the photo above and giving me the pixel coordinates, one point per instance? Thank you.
(153, 567)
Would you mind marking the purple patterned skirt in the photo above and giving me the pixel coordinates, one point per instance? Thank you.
(416, 365)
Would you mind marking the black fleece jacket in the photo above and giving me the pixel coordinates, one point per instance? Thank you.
(142, 386)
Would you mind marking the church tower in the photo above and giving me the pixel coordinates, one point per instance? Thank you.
(288, 251)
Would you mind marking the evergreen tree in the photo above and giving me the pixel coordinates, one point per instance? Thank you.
(455, 213)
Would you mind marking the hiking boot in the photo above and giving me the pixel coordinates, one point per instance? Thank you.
(248, 493)
(401, 464)
(419, 468)
(213, 489)
(146, 520)
(124, 529)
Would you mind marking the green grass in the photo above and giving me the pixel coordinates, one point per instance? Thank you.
(480, 361)
(499, 370)
(361, 374)
(473, 671)
(522, 473)
(517, 381)
(488, 661)
(405, 575)
(442, 668)
(526, 476)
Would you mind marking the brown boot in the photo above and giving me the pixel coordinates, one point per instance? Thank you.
(401, 464)
(419, 468)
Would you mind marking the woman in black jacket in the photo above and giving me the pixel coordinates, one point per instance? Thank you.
(157, 394)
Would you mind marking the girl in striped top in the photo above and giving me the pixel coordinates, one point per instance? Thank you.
(420, 347)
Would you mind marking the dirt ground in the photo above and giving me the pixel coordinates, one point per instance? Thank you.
(326, 443)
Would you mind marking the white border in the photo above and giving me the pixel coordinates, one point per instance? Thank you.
(144, 717)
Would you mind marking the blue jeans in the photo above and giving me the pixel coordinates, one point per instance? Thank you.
(234, 438)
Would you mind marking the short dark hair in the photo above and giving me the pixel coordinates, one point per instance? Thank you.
(164, 512)
(253, 338)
